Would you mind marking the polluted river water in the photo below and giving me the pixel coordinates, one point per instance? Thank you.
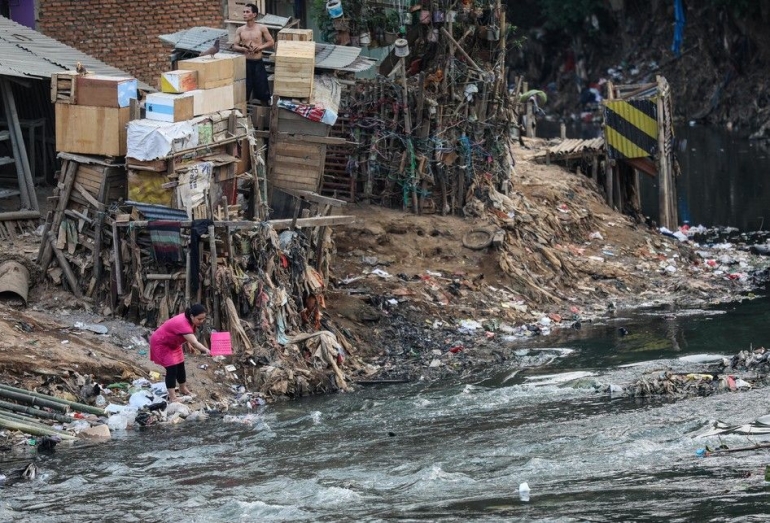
(460, 449)
(453, 450)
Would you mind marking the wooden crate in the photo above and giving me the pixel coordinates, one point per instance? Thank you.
(63, 87)
(106, 184)
(298, 165)
(91, 130)
(294, 68)
(296, 35)
(235, 8)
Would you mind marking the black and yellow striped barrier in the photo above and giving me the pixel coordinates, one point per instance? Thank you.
(631, 128)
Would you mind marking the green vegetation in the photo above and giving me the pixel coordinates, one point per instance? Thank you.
(569, 15)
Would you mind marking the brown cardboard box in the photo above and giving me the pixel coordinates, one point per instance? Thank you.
(212, 100)
(294, 68)
(86, 129)
(213, 71)
(105, 91)
(239, 64)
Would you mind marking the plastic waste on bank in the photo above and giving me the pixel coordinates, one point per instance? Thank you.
(524, 491)
(117, 422)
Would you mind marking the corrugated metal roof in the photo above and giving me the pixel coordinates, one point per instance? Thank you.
(329, 56)
(27, 53)
(152, 211)
(362, 63)
(197, 39)
(200, 39)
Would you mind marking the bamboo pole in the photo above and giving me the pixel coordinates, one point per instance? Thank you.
(19, 215)
(664, 217)
(32, 400)
(458, 47)
(4, 414)
(80, 407)
(36, 412)
(35, 431)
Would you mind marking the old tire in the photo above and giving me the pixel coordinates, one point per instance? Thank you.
(477, 239)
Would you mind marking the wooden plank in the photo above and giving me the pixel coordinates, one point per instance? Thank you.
(92, 186)
(90, 175)
(299, 173)
(65, 266)
(247, 224)
(69, 169)
(87, 160)
(327, 140)
(94, 203)
(299, 149)
(317, 198)
(303, 163)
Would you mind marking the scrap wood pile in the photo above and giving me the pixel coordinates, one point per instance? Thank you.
(433, 126)
(545, 234)
(257, 285)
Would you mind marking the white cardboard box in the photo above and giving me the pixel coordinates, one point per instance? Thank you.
(167, 107)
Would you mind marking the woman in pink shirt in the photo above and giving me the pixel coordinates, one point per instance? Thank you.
(166, 346)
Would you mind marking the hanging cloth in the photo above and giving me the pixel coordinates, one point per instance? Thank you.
(166, 241)
(679, 22)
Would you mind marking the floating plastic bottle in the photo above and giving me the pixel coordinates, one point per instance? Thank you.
(524, 491)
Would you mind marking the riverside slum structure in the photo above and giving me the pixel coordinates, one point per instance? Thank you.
(638, 139)
(434, 133)
(178, 208)
(443, 116)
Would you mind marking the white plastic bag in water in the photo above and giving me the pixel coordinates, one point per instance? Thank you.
(117, 422)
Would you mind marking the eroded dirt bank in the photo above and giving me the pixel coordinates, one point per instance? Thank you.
(415, 295)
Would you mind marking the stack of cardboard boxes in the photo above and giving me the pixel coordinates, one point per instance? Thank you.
(92, 112)
(194, 128)
(200, 86)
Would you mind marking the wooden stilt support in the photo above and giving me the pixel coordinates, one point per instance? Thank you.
(70, 169)
(117, 263)
(26, 181)
(214, 288)
(65, 266)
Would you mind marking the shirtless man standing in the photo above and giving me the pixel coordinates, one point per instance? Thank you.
(251, 39)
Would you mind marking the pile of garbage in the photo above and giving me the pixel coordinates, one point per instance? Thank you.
(755, 360)
(685, 384)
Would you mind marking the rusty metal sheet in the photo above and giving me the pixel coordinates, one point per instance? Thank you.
(14, 279)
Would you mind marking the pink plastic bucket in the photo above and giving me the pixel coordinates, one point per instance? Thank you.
(220, 344)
